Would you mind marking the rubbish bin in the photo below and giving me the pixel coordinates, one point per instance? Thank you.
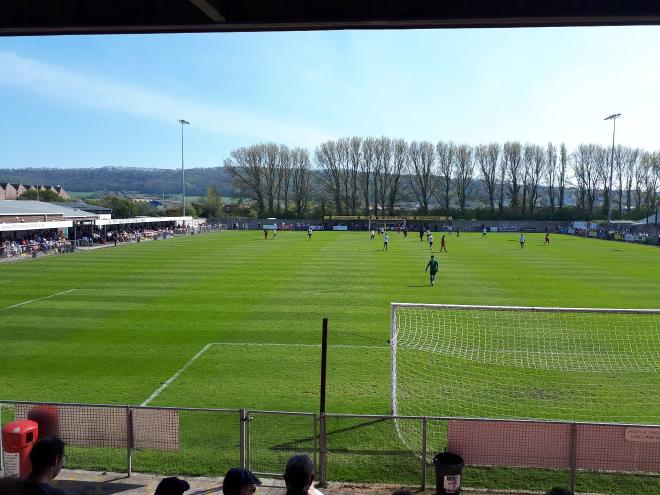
(18, 437)
(448, 469)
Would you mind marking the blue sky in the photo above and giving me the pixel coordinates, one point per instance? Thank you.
(88, 101)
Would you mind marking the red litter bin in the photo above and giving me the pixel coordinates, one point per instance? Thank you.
(18, 437)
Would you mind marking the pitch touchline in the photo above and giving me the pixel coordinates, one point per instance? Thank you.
(37, 299)
(207, 347)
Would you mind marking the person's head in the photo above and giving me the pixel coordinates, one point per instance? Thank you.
(299, 473)
(172, 486)
(559, 491)
(47, 457)
(239, 481)
(432, 256)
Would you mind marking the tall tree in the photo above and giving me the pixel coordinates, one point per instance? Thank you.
(585, 160)
(284, 177)
(399, 165)
(446, 163)
(620, 153)
(354, 157)
(602, 163)
(630, 173)
(561, 176)
(512, 155)
(301, 178)
(487, 157)
(650, 165)
(271, 175)
(343, 155)
(527, 164)
(384, 171)
(464, 174)
(420, 170)
(537, 172)
(211, 206)
(329, 160)
(551, 173)
(501, 172)
(367, 159)
(247, 171)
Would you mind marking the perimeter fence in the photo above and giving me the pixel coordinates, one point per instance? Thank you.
(499, 454)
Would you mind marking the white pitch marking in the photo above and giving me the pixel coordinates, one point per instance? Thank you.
(37, 299)
(176, 375)
(207, 346)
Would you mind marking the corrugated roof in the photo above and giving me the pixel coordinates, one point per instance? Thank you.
(19, 208)
(652, 219)
(84, 206)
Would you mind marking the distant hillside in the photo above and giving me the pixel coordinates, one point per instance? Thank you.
(122, 179)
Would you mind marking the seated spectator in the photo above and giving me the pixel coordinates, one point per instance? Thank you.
(402, 492)
(47, 457)
(299, 476)
(559, 491)
(172, 486)
(239, 481)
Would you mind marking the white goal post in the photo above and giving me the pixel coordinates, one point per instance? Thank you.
(525, 362)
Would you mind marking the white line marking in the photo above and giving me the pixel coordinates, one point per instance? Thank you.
(37, 299)
(175, 375)
(264, 344)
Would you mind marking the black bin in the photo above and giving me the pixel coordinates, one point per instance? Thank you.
(448, 469)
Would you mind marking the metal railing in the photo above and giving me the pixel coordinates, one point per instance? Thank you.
(354, 448)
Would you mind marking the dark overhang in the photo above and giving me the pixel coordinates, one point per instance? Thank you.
(39, 17)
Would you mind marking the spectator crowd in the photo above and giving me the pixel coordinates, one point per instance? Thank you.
(47, 458)
(57, 243)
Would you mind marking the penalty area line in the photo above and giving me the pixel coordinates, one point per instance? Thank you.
(176, 375)
(37, 299)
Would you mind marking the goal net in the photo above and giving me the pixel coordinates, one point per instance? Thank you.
(521, 362)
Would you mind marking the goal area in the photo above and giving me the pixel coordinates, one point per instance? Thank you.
(576, 364)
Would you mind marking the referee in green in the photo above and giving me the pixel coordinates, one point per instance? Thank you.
(433, 265)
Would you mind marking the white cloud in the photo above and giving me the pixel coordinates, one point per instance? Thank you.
(90, 91)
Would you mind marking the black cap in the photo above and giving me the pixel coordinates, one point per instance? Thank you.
(172, 486)
(237, 478)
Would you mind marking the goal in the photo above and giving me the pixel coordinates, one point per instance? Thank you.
(578, 364)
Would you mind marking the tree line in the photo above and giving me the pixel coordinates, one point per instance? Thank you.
(362, 176)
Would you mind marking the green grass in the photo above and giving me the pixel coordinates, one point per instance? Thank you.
(140, 312)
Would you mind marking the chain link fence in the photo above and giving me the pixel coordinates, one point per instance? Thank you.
(499, 454)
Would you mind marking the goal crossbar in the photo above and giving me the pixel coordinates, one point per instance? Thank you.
(544, 309)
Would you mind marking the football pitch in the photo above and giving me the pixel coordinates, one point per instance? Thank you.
(234, 321)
